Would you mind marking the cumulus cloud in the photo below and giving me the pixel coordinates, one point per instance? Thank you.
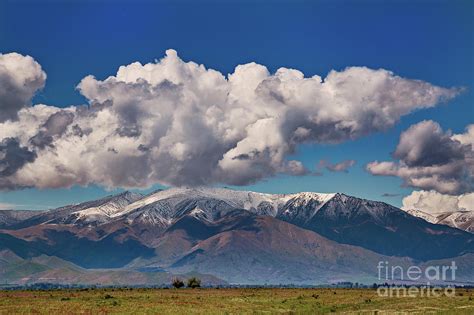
(179, 123)
(434, 203)
(56, 124)
(432, 159)
(426, 144)
(12, 158)
(20, 78)
(337, 167)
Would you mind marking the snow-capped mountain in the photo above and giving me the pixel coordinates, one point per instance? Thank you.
(236, 235)
(423, 215)
(463, 220)
(374, 225)
(104, 211)
(10, 217)
(90, 212)
(164, 207)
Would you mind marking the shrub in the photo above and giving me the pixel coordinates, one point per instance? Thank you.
(177, 283)
(194, 282)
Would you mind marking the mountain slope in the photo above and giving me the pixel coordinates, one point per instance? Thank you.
(89, 212)
(107, 252)
(423, 215)
(463, 220)
(12, 217)
(262, 249)
(387, 230)
(15, 270)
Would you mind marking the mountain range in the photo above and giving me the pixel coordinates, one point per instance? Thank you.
(224, 236)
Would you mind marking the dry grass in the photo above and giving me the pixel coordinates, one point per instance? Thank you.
(227, 301)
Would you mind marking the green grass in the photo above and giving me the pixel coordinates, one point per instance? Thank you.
(227, 301)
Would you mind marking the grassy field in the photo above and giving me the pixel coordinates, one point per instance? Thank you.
(230, 301)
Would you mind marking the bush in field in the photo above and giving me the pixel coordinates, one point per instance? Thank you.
(194, 282)
(177, 283)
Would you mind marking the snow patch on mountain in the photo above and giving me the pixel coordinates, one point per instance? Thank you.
(463, 220)
(102, 213)
(423, 215)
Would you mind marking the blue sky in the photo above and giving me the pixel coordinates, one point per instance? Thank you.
(430, 41)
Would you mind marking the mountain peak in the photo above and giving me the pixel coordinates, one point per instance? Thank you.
(128, 195)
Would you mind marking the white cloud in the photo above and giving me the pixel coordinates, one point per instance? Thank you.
(432, 159)
(20, 78)
(178, 123)
(433, 202)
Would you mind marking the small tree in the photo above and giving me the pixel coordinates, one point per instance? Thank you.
(194, 282)
(177, 283)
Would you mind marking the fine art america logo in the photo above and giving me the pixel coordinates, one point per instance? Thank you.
(428, 281)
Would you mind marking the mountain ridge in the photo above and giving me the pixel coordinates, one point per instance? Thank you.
(462, 219)
(209, 230)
